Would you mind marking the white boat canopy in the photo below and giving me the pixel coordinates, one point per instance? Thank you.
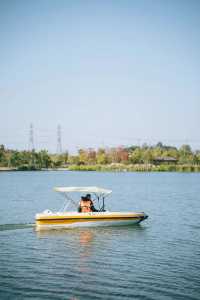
(87, 189)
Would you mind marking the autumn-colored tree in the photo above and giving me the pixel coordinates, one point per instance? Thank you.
(83, 156)
(122, 154)
(91, 156)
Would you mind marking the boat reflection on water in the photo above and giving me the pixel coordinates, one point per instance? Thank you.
(86, 236)
(81, 241)
(81, 250)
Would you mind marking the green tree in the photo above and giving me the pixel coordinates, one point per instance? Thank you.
(157, 152)
(160, 145)
(73, 159)
(101, 156)
(43, 159)
(186, 149)
(186, 154)
(147, 156)
(135, 156)
(16, 159)
(197, 157)
(3, 158)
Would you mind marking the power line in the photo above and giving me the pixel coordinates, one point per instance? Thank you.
(31, 138)
(59, 140)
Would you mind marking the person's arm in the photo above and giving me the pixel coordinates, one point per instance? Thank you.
(92, 207)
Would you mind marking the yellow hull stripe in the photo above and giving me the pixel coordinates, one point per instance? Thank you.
(57, 217)
(77, 220)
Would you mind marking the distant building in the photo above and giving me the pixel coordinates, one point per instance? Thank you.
(164, 160)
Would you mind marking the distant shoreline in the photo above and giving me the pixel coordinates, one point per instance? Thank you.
(113, 168)
(157, 158)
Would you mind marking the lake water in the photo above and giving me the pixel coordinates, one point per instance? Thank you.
(159, 259)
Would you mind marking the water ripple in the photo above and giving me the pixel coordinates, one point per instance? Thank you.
(158, 260)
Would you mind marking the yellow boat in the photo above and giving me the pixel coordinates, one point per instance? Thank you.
(66, 218)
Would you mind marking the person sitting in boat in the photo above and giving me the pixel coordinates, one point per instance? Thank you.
(86, 204)
(88, 196)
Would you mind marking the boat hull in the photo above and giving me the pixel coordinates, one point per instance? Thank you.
(88, 219)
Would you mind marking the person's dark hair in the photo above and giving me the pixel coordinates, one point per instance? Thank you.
(83, 198)
(88, 196)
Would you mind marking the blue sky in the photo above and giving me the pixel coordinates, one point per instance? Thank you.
(109, 72)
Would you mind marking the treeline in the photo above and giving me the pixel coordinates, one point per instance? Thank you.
(30, 160)
(137, 155)
(134, 158)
